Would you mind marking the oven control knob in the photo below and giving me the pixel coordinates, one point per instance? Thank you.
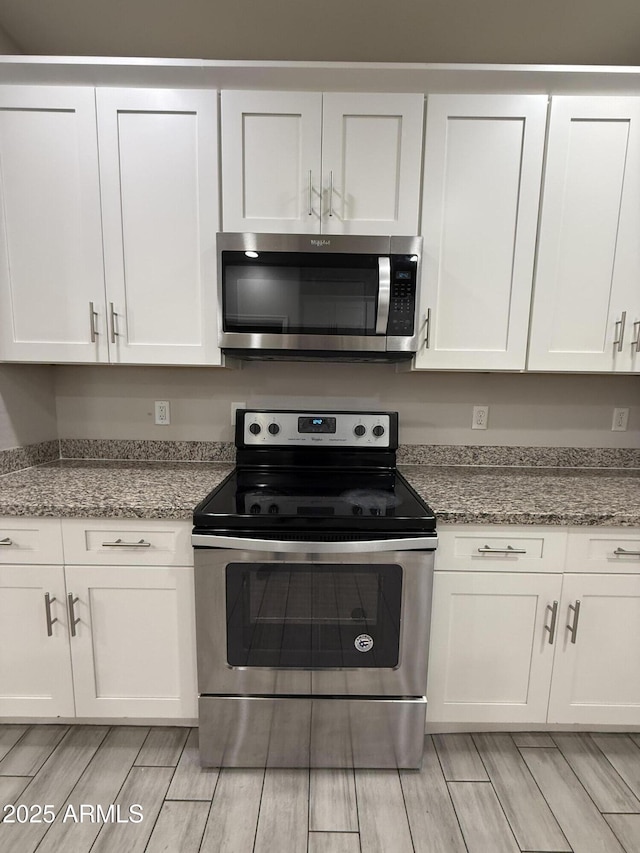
(378, 430)
(356, 510)
(254, 509)
(274, 429)
(375, 510)
(255, 429)
(360, 429)
(363, 642)
(273, 509)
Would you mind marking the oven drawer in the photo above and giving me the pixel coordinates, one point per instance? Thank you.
(311, 732)
(122, 542)
(30, 540)
(498, 548)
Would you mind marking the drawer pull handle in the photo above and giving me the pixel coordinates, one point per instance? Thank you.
(622, 552)
(47, 609)
(6, 542)
(573, 629)
(72, 614)
(486, 549)
(554, 617)
(119, 543)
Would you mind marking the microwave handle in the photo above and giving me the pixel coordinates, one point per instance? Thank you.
(384, 295)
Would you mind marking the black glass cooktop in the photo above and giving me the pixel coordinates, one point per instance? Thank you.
(314, 500)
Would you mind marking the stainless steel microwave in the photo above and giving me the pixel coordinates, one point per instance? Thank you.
(304, 296)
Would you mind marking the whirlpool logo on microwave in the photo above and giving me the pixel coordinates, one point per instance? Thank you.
(320, 243)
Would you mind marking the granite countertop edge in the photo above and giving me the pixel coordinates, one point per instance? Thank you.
(457, 494)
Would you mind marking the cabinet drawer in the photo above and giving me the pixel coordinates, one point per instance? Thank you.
(30, 540)
(500, 548)
(604, 550)
(127, 542)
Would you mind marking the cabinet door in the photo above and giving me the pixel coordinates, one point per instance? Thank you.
(490, 657)
(589, 255)
(35, 668)
(52, 304)
(371, 157)
(596, 679)
(133, 652)
(483, 165)
(271, 161)
(159, 180)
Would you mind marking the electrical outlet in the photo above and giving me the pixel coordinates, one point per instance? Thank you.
(620, 420)
(234, 409)
(163, 412)
(480, 417)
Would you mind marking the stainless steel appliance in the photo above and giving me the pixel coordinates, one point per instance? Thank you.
(318, 297)
(313, 576)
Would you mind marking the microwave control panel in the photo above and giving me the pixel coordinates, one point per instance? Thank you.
(402, 306)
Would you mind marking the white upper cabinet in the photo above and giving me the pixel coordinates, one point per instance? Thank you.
(586, 308)
(482, 174)
(371, 156)
(159, 180)
(303, 162)
(52, 301)
(271, 161)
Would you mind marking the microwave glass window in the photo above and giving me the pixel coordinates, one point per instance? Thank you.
(336, 300)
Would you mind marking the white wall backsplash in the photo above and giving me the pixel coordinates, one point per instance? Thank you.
(27, 405)
(435, 408)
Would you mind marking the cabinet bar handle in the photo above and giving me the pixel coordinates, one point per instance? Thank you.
(72, 615)
(554, 617)
(310, 196)
(330, 193)
(486, 549)
(636, 342)
(621, 322)
(619, 552)
(114, 329)
(92, 323)
(573, 629)
(120, 544)
(6, 542)
(47, 609)
(427, 328)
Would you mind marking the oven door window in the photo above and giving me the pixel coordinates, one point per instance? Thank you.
(322, 615)
(332, 295)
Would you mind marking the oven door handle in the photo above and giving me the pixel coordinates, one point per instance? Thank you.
(384, 295)
(357, 546)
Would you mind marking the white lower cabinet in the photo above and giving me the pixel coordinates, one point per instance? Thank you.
(132, 648)
(35, 666)
(96, 640)
(491, 659)
(557, 646)
(596, 673)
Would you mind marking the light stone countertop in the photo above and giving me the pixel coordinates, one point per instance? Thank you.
(457, 494)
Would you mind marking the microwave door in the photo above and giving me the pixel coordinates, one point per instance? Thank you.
(384, 295)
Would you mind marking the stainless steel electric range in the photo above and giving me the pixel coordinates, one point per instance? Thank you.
(313, 576)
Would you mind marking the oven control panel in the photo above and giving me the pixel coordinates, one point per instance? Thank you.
(317, 429)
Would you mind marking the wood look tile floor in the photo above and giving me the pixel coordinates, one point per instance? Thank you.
(481, 793)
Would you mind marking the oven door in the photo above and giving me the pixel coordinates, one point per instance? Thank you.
(274, 622)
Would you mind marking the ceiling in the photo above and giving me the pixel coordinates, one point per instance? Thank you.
(590, 32)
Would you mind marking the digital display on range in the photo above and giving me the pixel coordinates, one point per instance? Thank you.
(316, 424)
